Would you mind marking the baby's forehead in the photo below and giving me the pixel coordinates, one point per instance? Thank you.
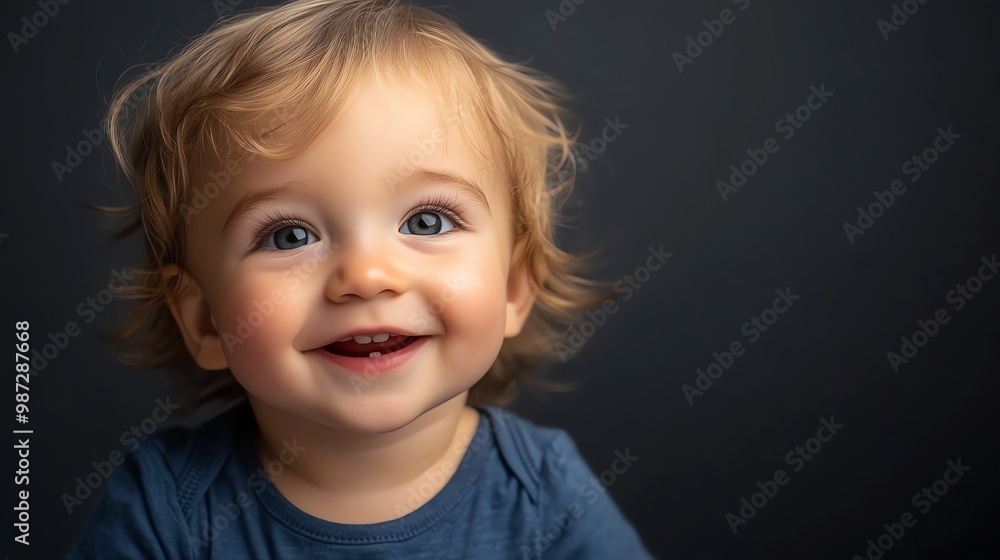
(390, 125)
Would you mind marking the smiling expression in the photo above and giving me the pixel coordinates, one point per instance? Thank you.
(348, 288)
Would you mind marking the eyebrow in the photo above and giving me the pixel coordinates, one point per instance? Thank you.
(250, 202)
(419, 175)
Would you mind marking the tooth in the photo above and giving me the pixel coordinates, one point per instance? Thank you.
(380, 337)
(362, 339)
(374, 354)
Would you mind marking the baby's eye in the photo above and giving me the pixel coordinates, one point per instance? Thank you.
(426, 223)
(290, 237)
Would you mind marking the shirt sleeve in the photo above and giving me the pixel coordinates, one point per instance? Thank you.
(580, 521)
(137, 515)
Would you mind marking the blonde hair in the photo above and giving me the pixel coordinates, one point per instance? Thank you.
(267, 82)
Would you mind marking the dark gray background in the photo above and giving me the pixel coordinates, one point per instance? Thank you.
(655, 185)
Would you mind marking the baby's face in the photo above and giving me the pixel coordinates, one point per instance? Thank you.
(307, 264)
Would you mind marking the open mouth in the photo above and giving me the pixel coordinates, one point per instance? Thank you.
(354, 349)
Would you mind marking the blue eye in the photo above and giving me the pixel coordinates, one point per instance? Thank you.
(426, 223)
(289, 237)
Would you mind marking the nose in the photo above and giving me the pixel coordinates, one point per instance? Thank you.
(363, 271)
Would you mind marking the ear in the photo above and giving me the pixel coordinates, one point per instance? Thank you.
(193, 316)
(520, 296)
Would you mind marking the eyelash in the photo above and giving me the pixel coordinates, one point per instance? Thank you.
(447, 205)
(266, 226)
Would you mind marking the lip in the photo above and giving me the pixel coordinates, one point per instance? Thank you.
(380, 365)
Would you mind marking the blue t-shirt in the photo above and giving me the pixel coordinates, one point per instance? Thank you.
(521, 491)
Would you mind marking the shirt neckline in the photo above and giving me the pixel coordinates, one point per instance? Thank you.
(419, 520)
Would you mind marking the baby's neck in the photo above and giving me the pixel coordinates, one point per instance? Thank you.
(359, 480)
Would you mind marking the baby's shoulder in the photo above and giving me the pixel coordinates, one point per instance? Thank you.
(545, 459)
(187, 456)
(573, 514)
(150, 502)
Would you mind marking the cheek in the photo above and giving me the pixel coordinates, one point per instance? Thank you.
(472, 304)
(258, 319)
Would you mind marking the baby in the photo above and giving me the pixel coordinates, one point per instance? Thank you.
(349, 211)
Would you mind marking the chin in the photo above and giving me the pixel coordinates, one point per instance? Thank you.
(379, 415)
